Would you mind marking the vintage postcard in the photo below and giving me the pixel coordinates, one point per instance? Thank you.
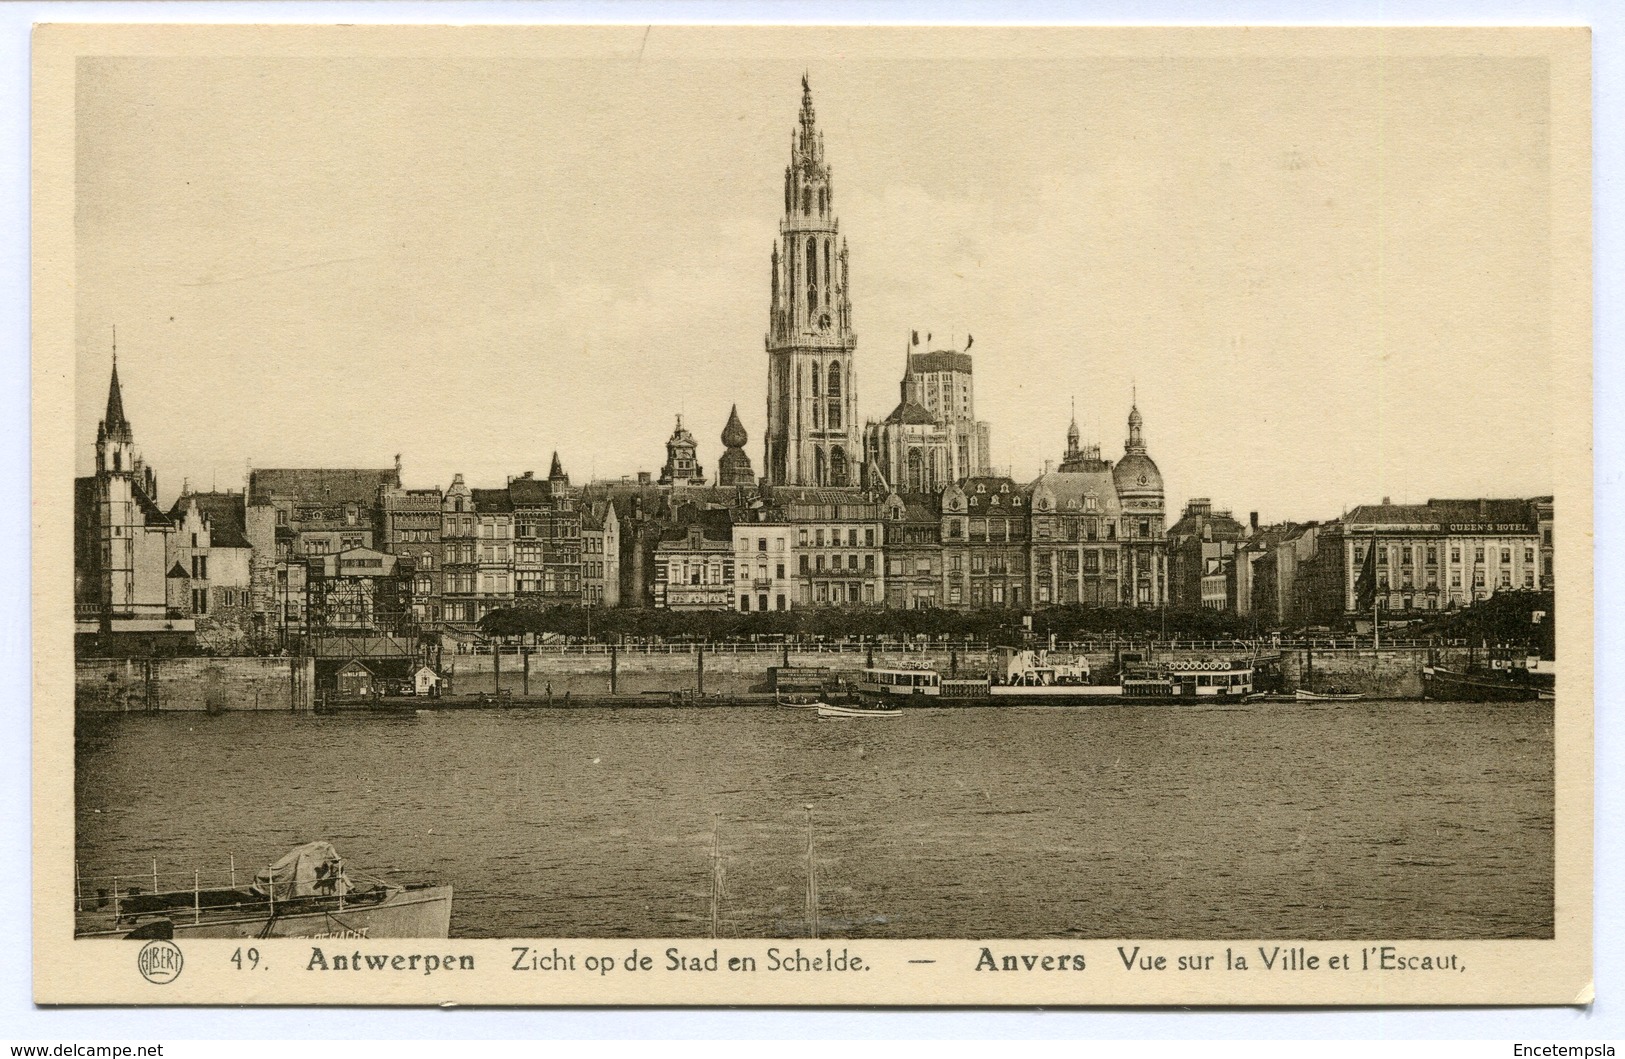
(789, 516)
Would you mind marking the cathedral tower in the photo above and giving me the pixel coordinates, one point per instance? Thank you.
(812, 428)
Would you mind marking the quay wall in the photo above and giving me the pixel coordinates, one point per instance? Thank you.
(1390, 673)
(1386, 674)
(252, 683)
(145, 685)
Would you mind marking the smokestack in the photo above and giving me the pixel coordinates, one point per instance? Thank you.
(1252, 519)
(1386, 502)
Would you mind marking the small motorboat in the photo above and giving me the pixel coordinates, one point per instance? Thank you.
(1335, 693)
(827, 710)
(798, 702)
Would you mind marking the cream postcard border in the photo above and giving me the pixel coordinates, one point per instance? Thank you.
(1556, 971)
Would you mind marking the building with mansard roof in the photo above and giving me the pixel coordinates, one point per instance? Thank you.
(1097, 534)
(1445, 553)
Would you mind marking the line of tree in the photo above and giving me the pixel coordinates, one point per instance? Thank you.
(1508, 617)
(991, 625)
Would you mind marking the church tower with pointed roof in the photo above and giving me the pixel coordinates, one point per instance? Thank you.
(812, 429)
(121, 536)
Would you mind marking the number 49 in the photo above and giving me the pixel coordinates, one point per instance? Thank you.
(251, 955)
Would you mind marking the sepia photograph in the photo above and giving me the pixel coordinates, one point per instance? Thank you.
(815, 489)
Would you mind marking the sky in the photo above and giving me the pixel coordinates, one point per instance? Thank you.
(1326, 280)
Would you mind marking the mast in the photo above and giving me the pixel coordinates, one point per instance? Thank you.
(716, 879)
(812, 880)
(1376, 622)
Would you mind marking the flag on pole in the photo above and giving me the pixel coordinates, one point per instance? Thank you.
(1365, 588)
(916, 338)
(970, 340)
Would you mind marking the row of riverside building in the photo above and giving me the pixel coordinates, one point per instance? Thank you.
(303, 552)
(907, 511)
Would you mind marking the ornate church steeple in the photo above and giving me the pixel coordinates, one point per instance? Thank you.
(733, 466)
(812, 430)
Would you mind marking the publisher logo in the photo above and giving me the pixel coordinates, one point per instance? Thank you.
(159, 962)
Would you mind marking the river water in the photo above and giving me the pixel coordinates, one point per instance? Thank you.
(1354, 820)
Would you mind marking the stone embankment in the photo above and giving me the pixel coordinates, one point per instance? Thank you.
(219, 684)
(144, 685)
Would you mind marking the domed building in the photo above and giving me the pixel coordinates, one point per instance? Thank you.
(1140, 494)
(1097, 529)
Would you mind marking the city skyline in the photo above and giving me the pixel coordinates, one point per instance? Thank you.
(505, 304)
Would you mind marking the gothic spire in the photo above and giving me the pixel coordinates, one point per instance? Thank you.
(909, 382)
(1072, 433)
(810, 145)
(114, 422)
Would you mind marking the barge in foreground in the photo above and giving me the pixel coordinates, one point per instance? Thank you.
(310, 893)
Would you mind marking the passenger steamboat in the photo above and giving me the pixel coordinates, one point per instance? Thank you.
(1029, 677)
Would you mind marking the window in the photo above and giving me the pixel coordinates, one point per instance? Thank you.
(744, 603)
(976, 563)
(1529, 557)
(869, 564)
(761, 544)
(801, 538)
(803, 566)
(1433, 555)
(779, 571)
(851, 538)
(819, 538)
(869, 538)
(819, 564)
(894, 567)
(200, 567)
(1506, 556)
(1478, 554)
(1382, 556)
(1455, 555)
(779, 601)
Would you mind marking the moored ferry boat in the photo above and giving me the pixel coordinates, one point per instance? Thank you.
(309, 893)
(898, 684)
